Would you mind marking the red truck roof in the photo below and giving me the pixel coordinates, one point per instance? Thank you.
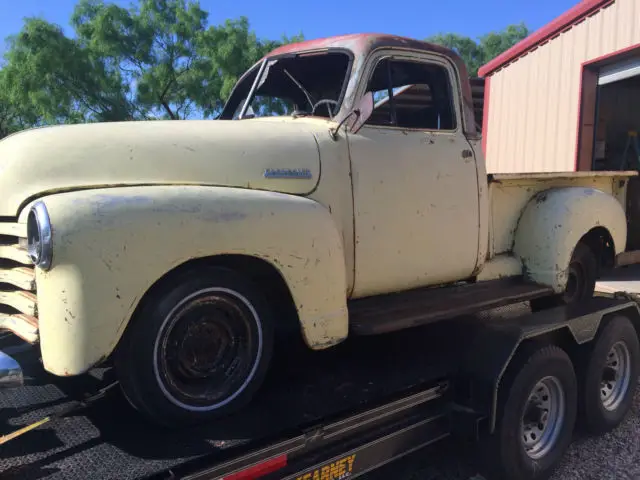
(365, 42)
(361, 44)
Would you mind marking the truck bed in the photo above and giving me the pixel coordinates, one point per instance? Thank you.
(511, 192)
(110, 441)
(498, 177)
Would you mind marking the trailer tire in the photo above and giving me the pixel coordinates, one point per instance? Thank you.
(608, 371)
(537, 413)
(198, 349)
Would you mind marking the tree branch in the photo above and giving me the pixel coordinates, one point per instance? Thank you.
(168, 110)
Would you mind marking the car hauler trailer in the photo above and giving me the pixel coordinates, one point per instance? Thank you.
(514, 379)
(182, 250)
(173, 254)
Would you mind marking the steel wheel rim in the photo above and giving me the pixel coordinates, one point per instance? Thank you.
(161, 344)
(543, 417)
(616, 376)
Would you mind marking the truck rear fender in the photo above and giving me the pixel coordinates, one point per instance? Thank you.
(555, 220)
(112, 245)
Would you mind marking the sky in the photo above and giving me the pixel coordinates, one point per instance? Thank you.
(320, 18)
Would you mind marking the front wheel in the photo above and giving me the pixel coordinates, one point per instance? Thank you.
(537, 414)
(199, 348)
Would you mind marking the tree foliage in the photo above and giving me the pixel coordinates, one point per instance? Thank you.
(151, 46)
(158, 59)
(56, 80)
(476, 53)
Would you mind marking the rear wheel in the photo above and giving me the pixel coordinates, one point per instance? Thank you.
(609, 376)
(198, 349)
(581, 280)
(538, 412)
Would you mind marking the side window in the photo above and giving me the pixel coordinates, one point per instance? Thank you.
(412, 95)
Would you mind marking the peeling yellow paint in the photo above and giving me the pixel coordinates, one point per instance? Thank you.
(553, 223)
(156, 153)
(511, 194)
(97, 289)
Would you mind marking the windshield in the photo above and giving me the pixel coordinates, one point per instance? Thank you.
(305, 84)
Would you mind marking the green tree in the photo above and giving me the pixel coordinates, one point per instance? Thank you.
(179, 66)
(58, 81)
(151, 45)
(476, 53)
(156, 59)
(229, 50)
(14, 115)
(9, 116)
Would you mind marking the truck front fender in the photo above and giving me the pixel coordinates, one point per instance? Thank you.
(111, 245)
(552, 224)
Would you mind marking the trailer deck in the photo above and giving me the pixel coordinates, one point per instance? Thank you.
(110, 441)
(314, 418)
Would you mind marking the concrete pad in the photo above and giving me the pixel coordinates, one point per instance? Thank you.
(624, 279)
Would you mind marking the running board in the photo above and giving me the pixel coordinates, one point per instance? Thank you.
(397, 311)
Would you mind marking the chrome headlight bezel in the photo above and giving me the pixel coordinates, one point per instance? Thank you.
(39, 236)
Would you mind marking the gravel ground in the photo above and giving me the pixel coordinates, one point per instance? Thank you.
(614, 456)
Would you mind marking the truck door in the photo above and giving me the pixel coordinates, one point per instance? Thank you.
(415, 183)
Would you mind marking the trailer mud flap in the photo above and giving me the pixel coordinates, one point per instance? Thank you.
(495, 341)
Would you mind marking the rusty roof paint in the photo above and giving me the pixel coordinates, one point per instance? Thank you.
(361, 44)
(338, 41)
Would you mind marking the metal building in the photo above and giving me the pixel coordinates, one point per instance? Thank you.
(568, 96)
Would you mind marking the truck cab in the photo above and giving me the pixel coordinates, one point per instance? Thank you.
(406, 159)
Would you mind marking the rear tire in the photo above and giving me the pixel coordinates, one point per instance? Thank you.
(198, 349)
(581, 282)
(538, 411)
(609, 376)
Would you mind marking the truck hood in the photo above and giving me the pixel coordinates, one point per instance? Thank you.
(248, 154)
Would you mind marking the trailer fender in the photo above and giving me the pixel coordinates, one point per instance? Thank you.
(552, 224)
(496, 341)
(111, 245)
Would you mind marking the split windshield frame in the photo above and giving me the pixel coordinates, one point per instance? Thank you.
(268, 62)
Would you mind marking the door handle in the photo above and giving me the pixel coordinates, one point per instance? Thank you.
(467, 153)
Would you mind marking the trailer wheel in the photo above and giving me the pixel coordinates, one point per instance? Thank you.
(537, 413)
(581, 281)
(198, 349)
(609, 376)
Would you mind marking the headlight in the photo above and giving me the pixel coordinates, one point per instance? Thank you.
(39, 240)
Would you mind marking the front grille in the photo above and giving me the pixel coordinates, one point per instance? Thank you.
(18, 300)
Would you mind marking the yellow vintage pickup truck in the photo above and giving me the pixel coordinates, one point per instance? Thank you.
(342, 188)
